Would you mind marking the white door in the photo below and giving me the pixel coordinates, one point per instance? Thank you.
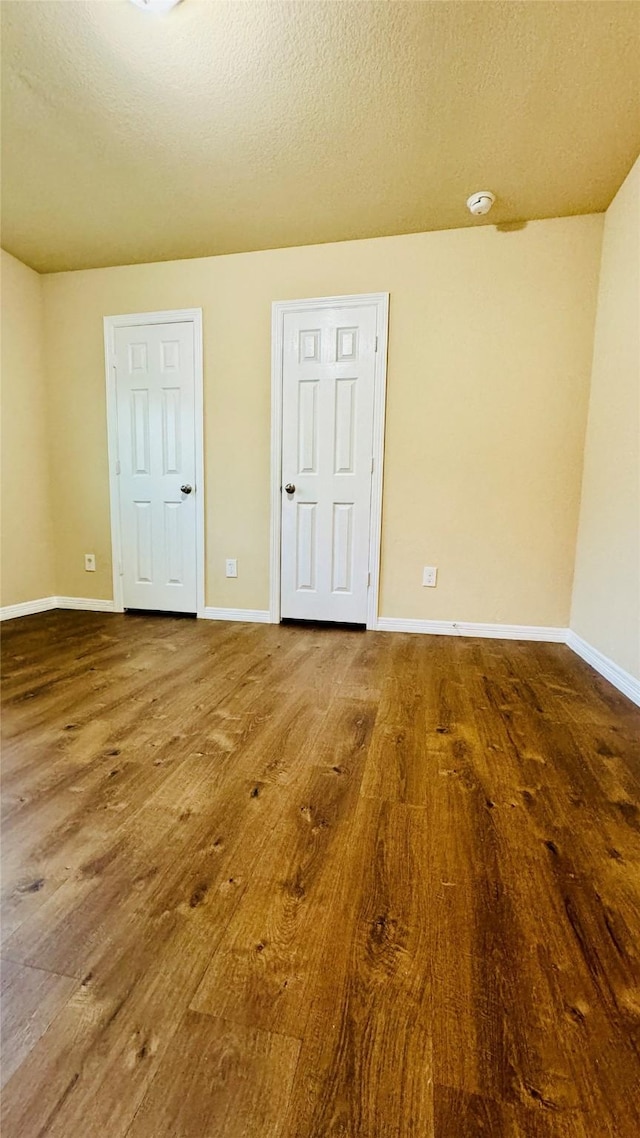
(155, 382)
(327, 448)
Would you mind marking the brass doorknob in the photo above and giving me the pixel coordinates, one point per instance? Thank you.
(290, 488)
(186, 489)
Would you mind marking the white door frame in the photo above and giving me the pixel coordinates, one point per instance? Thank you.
(280, 308)
(132, 320)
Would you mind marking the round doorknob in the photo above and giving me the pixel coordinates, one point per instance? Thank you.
(290, 488)
(186, 489)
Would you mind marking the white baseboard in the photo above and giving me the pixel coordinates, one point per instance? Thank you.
(623, 681)
(464, 628)
(28, 608)
(84, 603)
(251, 616)
(45, 604)
(89, 604)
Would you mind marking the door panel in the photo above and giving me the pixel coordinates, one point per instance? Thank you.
(328, 395)
(345, 426)
(308, 427)
(306, 553)
(170, 430)
(155, 391)
(144, 557)
(342, 547)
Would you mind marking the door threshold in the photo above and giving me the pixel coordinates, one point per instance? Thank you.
(347, 626)
(161, 612)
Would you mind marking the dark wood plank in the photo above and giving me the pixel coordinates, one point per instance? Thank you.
(271, 950)
(167, 927)
(456, 1112)
(366, 1060)
(315, 883)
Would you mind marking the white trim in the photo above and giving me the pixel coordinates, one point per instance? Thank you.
(28, 608)
(46, 604)
(464, 628)
(279, 309)
(251, 616)
(623, 681)
(84, 603)
(172, 316)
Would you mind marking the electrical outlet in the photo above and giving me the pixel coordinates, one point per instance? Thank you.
(232, 567)
(90, 562)
(429, 576)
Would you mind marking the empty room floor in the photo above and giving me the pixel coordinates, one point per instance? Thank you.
(309, 883)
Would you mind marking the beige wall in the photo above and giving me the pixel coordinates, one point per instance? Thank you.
(27, 571)
(606, 598)
(489, 359)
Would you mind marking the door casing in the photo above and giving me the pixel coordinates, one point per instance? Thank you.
(174, 316)
(280, 307)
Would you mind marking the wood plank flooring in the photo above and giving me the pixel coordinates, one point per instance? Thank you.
(312, 883)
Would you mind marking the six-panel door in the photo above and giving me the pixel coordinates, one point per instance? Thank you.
(327, 432)
(156, 451)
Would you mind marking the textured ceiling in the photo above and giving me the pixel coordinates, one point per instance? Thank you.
(223, 127)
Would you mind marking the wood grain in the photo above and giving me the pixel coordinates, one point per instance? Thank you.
(314, 883)
(30, 999)
(370, 1024)
(270, 952)
(222, 1080)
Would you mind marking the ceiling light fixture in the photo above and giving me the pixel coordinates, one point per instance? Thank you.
(480, 202)
(155, 5)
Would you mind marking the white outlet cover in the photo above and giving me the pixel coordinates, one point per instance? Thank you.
(430, 576)
(232, 567)
(90, 562)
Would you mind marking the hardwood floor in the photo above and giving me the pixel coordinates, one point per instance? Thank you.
(285, 883)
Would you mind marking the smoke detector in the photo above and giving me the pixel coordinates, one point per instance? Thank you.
(480, 202)
(155, 5)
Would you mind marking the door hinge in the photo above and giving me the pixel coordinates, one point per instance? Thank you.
(368, 580)
(376, 347)
(117, 466)
(373, 462)
(120, 569)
